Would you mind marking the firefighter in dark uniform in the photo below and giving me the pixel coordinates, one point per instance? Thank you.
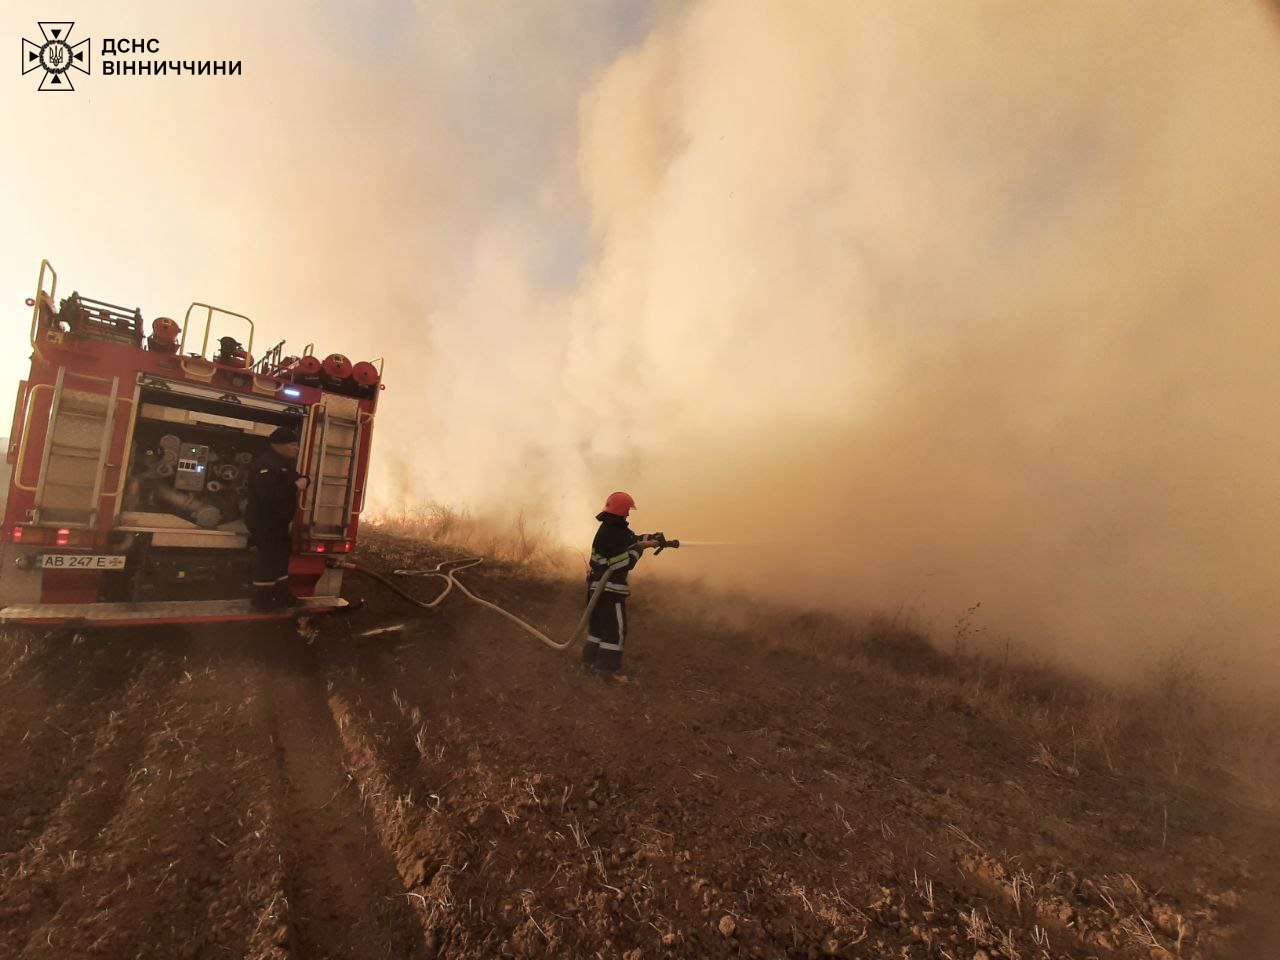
(274, 484)
(616, 549)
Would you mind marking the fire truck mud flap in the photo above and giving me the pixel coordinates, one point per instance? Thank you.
(162, 612)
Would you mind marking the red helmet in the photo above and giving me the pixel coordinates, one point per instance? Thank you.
(619, 504)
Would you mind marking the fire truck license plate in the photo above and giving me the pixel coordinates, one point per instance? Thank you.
(81, 561)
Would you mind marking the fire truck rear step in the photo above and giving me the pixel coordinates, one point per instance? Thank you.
(156, 612)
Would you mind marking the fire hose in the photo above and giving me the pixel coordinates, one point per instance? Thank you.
(448, 569)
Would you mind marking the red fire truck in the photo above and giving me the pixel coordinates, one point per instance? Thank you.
(129, 453)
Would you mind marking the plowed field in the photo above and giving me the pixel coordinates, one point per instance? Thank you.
(453, 788)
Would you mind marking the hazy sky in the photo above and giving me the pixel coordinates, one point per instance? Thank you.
(946, 303)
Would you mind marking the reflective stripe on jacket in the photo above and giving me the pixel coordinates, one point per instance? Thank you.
(613, 549)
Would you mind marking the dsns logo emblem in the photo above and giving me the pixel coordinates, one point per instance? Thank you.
(55, 56)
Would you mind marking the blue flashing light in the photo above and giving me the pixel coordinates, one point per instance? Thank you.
(291, 392)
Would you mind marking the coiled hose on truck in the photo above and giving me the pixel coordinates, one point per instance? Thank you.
(448, 575)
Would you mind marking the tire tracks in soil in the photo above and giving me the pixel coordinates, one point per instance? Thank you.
(89, 800)
(345, 896)
(61, 694)
(163, 846)
(413, 772)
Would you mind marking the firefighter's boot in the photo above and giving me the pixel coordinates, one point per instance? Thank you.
(283, 598)
(267, 596)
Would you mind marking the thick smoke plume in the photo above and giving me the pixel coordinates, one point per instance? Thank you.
(937, 305)
(931, 304)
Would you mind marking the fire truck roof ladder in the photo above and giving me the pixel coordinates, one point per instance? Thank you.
(270, 360)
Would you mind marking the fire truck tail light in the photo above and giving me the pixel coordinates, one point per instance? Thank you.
(328, 546)
(48, 536)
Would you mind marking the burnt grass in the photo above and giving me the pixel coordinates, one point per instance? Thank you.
(449, 787)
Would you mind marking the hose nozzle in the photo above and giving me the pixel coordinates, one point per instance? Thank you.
(663, 542)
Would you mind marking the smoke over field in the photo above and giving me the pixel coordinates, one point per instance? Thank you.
(938, 305)
(942, 304)
(935, 325)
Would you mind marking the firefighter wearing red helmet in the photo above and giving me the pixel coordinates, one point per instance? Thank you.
(616, 550)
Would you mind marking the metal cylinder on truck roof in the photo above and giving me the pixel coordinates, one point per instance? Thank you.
(335, 373)
(335, 367)
(306, 369)
(365, 374)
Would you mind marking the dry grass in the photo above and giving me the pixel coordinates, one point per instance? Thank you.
(1175, 727)
(516, 541)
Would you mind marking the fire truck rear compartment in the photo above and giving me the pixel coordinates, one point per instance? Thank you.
(186, 496)
(141, 452)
